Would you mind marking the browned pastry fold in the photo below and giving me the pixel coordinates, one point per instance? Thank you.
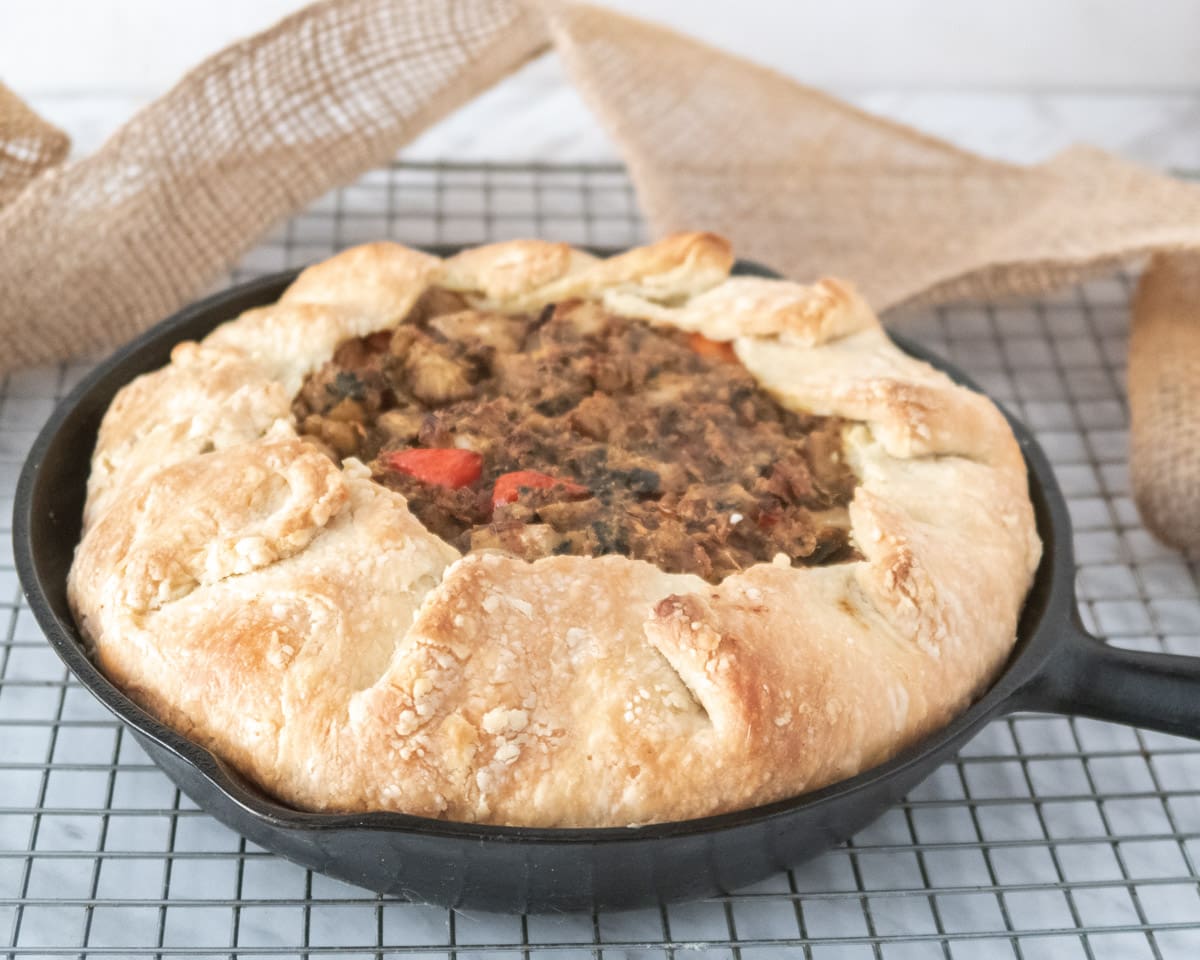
(296, 618)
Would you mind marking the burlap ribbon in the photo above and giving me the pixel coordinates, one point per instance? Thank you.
(95, 250)
(1164, 399)
(28, 145)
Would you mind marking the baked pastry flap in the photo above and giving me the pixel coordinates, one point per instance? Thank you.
(264, 595)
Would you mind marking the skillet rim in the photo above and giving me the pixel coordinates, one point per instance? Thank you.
(1048, 607)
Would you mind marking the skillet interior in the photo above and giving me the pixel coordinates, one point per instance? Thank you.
(468, 865)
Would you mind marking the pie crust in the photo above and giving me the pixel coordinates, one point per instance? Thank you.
(292, 616)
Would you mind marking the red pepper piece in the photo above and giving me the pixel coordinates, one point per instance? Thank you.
(713, 349)
(768, 518)
(509, 485)
(448, 467)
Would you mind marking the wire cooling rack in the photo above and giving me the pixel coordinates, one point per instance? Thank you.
(1047, 838)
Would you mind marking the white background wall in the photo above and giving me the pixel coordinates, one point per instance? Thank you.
(139, 46)
(1014, 78)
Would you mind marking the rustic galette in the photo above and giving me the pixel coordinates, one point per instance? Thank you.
(525, 536)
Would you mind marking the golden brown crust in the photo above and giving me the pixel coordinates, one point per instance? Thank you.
(525, 274)
(499, 272)
(203, 400)
(378, 279)
(298, 620)
(758, 307)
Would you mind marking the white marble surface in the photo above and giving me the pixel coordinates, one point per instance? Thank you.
(1016, 81)
(536, 115)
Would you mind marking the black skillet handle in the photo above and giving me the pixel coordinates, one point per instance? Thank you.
(1087, 677)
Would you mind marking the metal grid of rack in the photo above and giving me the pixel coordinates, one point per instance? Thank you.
(1048, 837)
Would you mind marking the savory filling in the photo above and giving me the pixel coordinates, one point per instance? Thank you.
(578, 432)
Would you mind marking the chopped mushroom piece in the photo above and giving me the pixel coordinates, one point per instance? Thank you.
(576, 431)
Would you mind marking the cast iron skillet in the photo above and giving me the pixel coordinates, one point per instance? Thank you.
(1056, 666)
